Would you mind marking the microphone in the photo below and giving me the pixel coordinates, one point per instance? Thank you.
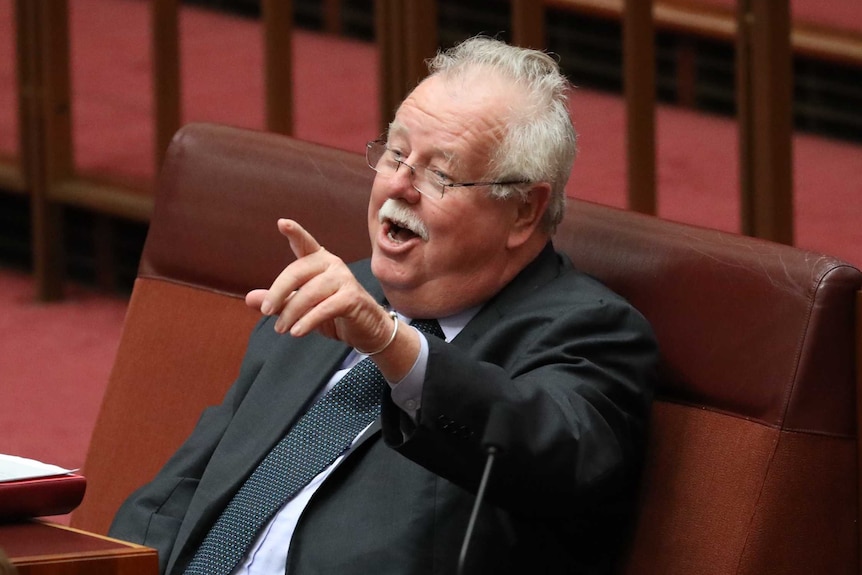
(499, 431)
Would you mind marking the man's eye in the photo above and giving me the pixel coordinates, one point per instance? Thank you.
(440, 177)
(395, 154)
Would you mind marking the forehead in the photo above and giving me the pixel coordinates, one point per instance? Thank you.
(458, 117)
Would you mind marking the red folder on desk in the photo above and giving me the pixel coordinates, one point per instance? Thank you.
(41, 496)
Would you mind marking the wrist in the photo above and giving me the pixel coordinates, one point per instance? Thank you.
(399, 356)
(389, 341)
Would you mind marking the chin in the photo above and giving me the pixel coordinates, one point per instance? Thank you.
(391, 274)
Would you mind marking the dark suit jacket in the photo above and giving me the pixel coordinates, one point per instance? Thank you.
(574, 360)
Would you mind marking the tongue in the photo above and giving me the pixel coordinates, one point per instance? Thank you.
(402, 234)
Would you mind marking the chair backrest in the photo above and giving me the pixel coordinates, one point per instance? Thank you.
(212, 238)
(753, 462)
(753, 455)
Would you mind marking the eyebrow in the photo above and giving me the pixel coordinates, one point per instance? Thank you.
(397, 129)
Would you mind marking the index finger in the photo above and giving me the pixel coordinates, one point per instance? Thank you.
(301, 242)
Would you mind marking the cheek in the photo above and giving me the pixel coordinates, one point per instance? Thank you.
(374, 203)
(481, 218)
(485, 236)
(372, 217)
(467, 239)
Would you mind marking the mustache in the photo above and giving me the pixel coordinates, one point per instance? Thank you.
(397, 212)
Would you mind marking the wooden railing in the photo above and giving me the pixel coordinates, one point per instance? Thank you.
(46, 131)
(46, 171)
(719, 22)
(761, 30)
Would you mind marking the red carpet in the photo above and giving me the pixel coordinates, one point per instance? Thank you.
(54, 364)
(55, 358)
(335, 104)
(335, 87)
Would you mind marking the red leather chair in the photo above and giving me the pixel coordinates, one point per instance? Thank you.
(753, 463)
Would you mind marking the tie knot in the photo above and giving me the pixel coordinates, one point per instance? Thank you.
(429, 326)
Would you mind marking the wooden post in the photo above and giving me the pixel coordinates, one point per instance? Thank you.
(686, 72)
(278, 56)
(166, 75)
(406, 37)
(46, 131)
(765, 109)
(639, 84)
(387, 17)
(421, 39)
(528, 24)
(332, 17)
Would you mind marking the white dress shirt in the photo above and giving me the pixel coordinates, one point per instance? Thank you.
(268, 554)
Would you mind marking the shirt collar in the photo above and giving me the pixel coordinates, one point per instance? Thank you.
(453, 324)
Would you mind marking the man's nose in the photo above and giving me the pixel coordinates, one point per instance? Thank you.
(402, 183)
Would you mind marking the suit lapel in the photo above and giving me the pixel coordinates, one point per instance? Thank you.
(282, 389)
(295, 371)
(291, 378)
(542, 270)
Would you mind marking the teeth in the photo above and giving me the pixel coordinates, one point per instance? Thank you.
(401, 217)
(400, 226)
(395, 230)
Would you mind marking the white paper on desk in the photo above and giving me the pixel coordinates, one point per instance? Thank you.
(14, 468)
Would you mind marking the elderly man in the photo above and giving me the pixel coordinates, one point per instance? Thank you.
(351, 440)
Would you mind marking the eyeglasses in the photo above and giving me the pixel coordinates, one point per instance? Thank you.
(427, 181)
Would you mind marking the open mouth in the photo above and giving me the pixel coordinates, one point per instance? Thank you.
(400, 224)
(399, 233)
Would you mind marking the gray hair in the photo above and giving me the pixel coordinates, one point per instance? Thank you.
(540, 142)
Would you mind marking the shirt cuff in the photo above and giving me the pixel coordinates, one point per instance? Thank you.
(407, 393)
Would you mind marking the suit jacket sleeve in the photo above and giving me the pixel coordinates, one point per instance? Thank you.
(574, 361)
(152, 515)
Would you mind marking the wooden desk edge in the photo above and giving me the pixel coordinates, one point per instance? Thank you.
(124, 549)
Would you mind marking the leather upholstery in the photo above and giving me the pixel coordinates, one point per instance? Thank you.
(753, 456)
(753, 462)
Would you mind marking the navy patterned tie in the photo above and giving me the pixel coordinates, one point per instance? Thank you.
(326, 430)
(429, 326)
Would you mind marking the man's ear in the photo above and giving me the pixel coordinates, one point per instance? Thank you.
(529, 214)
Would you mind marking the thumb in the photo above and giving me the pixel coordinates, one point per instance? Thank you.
(254, 298)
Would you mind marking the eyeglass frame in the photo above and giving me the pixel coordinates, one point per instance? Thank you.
(382, 143)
